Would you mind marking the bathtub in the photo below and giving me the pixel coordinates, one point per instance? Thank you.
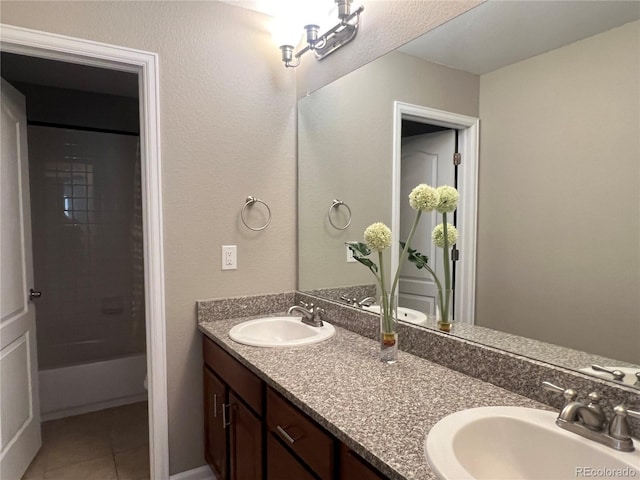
(78, 389)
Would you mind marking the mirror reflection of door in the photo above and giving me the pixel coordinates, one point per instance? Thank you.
(426, 158)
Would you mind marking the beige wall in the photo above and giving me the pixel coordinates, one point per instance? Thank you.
(385, 25)
(228, 130)
(559, 196)
(345, 150)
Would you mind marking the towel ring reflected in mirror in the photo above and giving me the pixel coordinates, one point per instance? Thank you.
(249, 202)
(335, 205)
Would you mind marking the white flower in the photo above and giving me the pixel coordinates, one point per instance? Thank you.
(448, 199)
(424, 198)
(438, 235)
(377, 236)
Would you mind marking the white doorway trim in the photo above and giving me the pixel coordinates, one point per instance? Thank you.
(467, 184)
(75, 50)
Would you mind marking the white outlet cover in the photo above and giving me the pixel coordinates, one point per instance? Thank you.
(350, 258)
(229, 258)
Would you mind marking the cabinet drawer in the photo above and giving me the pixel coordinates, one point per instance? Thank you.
(237, 376)
(282, 465)
(301, 434)
(352, 466)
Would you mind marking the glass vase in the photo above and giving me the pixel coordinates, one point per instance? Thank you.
(388, 329)
(443, 310)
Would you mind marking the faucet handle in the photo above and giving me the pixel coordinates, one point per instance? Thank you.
(617, 374)
(569, 394)
(347, 300)
(619, 426)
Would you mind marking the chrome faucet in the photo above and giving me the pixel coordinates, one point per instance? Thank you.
(311, 315)
(589, 421)
(367, 302)
(348, 301)
(617, 374)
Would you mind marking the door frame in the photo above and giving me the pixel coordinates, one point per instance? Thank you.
(468, 146)
(51, 46)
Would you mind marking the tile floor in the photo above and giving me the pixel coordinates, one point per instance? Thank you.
(111, 444)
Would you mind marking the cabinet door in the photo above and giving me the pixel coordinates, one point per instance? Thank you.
(215, 433)
(281, 464)
(245, 441)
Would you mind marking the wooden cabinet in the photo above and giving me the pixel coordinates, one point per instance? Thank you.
(215, 434)
(352, 466)
(281, 465)
(238, 377)
(234, 427)
(301, 435)
(252, 432)
(245, 441)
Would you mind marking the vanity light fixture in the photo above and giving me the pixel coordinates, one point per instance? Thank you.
(329, 42)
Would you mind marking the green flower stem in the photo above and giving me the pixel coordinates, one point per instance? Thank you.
(447, 272)
(386, 313)
(437, 280)
(403, 255)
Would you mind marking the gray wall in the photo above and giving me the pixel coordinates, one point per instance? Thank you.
(559, 196)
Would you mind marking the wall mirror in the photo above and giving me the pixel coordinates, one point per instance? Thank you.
(556, 88)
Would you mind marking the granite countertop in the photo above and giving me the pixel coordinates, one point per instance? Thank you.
(382, 412)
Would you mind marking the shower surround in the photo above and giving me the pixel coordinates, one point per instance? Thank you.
(87, 242)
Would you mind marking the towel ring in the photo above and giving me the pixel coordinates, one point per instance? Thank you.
(250, 201)
(337, 204)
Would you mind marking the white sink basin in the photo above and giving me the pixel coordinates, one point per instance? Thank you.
(279, 332)
(519, 443)
(405, 314)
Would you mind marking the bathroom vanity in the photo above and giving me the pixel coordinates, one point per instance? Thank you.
(330, 410)
(251, 431)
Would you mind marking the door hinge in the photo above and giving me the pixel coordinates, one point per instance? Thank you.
(455, 254)
(457, 158)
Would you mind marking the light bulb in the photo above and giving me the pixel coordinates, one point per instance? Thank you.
(288, 25)
(286, 32)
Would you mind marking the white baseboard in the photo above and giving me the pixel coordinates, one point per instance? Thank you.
(200, 473)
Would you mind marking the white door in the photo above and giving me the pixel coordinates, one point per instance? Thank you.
(426, 159)
(19, 410)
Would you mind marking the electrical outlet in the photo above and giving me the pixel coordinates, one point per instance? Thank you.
(350, 258)
(229, 257)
